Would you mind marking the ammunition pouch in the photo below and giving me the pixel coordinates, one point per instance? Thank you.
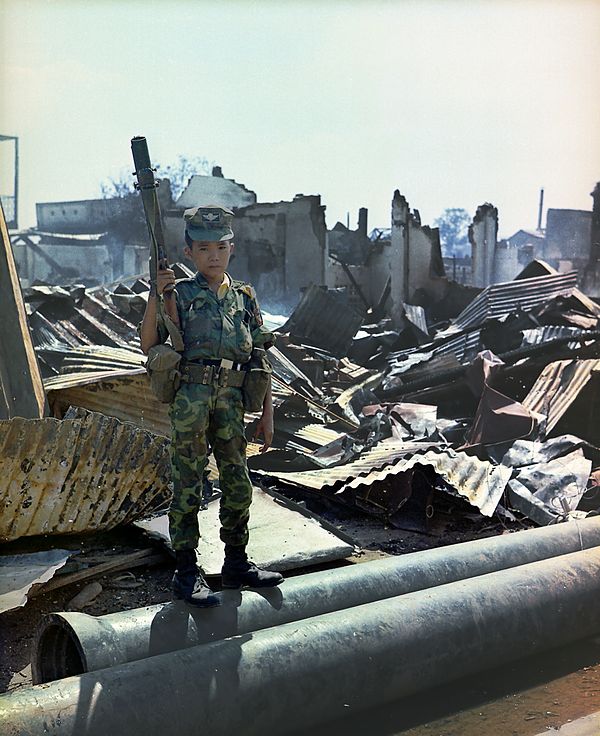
(256, 380)
(163, 368)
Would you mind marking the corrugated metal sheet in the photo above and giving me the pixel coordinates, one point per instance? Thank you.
(291, 375)
(547, 333)
(416, 315)
(557, 387)
(500, 300)
(464, 347)
(318, 434)
(124, 396)
(324, 318)
(480, 482)
(77, 474)
(386, 452)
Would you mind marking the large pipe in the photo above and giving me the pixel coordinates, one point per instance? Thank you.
(295, 676)
(74, 643)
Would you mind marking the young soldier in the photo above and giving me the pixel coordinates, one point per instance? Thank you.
(221, 323)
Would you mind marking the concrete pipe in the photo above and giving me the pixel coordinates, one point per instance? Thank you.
(74, 643)
(294, 676)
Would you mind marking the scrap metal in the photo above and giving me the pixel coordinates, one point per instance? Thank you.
(559, 384)
(19, 572)
(21, 390)
(77, 474)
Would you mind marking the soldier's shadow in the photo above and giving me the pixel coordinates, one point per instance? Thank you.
(207, 646)
(179, 625)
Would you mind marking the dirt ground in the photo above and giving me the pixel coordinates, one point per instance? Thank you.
(142, 586)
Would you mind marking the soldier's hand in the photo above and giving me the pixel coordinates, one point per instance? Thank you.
(265, 428)
(165, 280)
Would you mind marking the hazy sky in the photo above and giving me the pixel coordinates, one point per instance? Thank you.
(453, 102)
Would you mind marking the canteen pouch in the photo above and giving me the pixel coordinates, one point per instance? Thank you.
(256, 380)
(163, 368)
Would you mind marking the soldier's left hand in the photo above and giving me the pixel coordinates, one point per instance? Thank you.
(264, 428)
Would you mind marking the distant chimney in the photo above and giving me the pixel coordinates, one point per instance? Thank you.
(541, 209)
(362, 221)
(217, 171)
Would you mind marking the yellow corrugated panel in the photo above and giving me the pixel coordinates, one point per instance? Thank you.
(126, 397)
(73, 475)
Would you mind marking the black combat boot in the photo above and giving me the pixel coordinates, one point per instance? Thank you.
(188, 583)
(238, 571)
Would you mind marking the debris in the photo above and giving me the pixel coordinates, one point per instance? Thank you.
(548, 492)
(326, 319)
(21, 390)
(127, 581)
(20, 572)
(144, 557)
(87, 471)
(85, 596)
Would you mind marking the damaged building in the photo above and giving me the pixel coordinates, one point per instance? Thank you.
(280, 247)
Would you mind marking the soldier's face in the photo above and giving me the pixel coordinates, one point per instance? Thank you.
(211, 259)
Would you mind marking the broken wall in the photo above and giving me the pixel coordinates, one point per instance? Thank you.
(506, 264)
(60, 263)
(568, 239)
(415, 260)
(483, 233)
(80, 216)
(215, 190)
(280, 247)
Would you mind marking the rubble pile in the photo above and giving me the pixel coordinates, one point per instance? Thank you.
(491, 411)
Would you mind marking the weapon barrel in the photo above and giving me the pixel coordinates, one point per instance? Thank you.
(147, 185)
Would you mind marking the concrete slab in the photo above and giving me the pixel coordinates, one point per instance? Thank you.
(283, 535)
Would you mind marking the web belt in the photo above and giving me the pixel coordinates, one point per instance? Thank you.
(222, 372)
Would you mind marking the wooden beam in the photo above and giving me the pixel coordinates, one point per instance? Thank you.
(144, 557)
(21, 388)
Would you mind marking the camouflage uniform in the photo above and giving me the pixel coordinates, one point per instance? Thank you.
(210, 415)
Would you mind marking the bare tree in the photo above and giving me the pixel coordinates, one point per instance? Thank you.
(126, 218)
(180, 172)
(454, 225)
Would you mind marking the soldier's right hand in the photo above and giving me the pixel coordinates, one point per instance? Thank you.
(165, 280)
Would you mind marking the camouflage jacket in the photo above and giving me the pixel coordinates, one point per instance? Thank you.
(215, 328)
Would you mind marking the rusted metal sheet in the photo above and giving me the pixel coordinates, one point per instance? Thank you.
(557, 387)
(97, 358)
(126, 396)
(77, 474)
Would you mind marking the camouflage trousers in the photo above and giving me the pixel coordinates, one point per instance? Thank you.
(204, 416)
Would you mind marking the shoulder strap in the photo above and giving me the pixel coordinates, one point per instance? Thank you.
(163, 318)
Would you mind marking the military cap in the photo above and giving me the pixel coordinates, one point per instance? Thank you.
(208, 223)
